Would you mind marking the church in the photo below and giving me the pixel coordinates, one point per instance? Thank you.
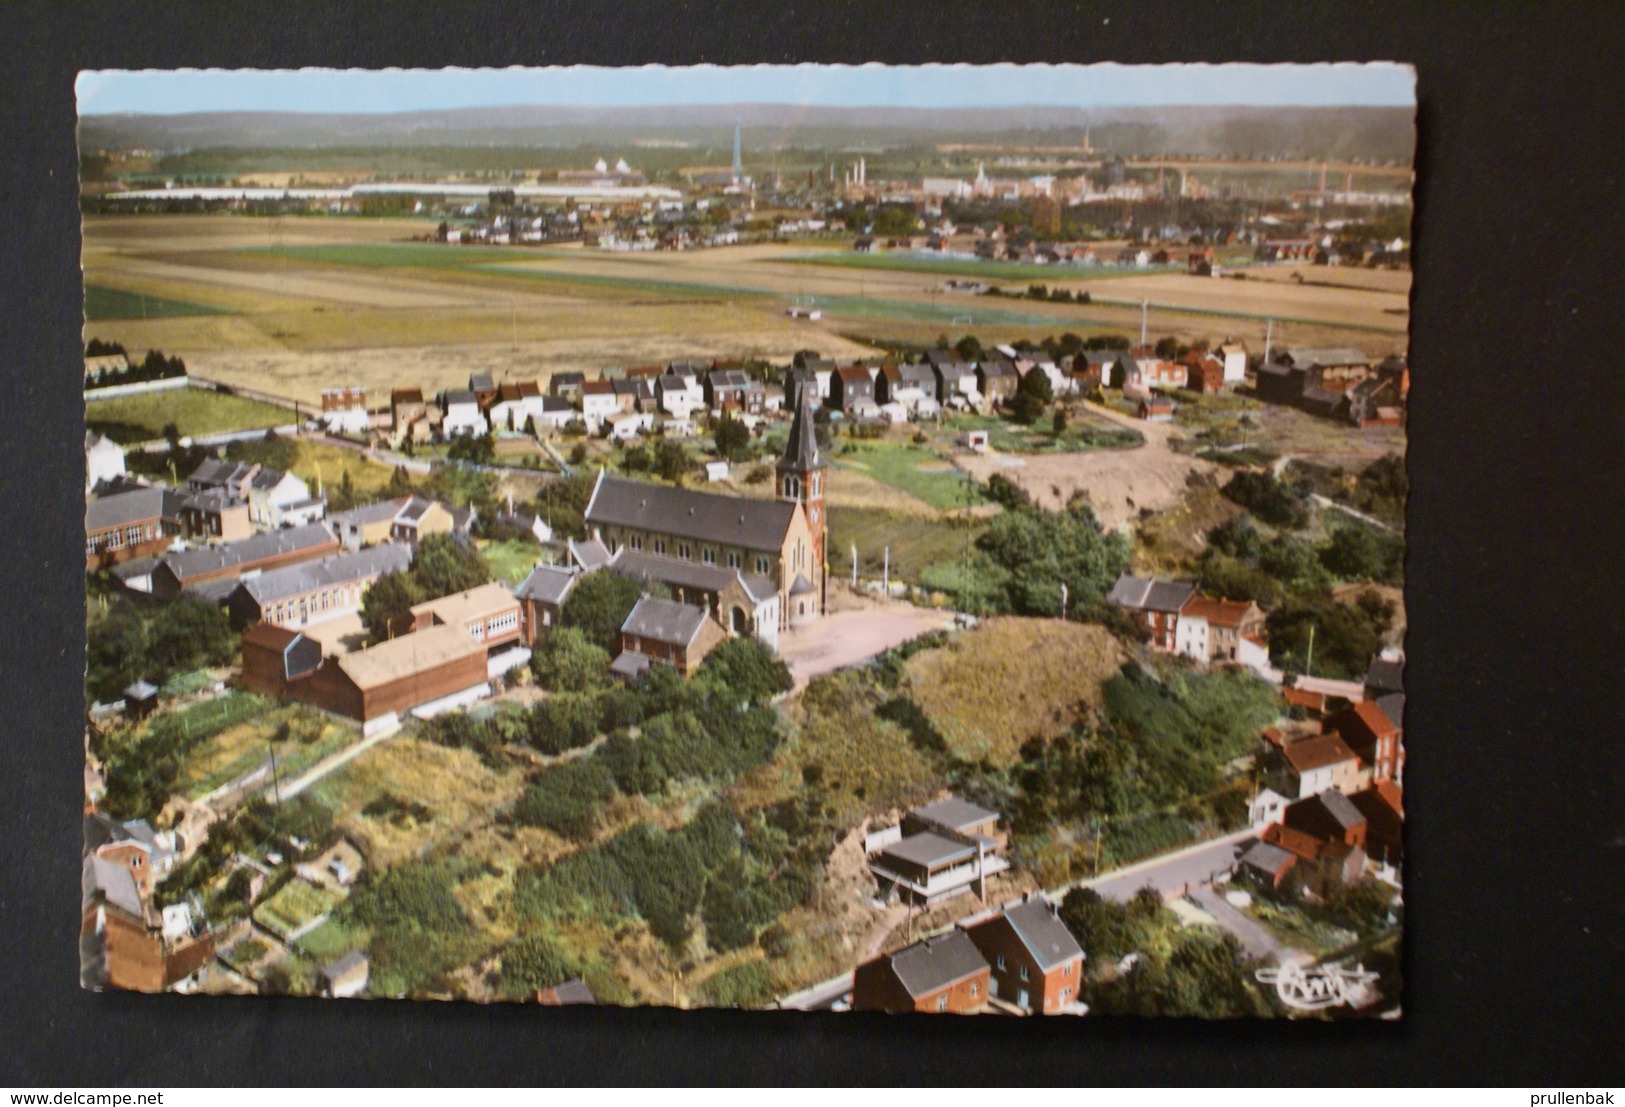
(778, 543)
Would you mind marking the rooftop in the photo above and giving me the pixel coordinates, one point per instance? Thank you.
(1309, 754)
(548, 584)
(727, 520)
(927, 967)
(462, 608)
(341, 569)
(409, 654)
(664, 621)
(1045, 936)
(955, 813)
(208, 559)
(928, 850)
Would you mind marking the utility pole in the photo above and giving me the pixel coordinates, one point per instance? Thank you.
(1143, 305)
(885, 572)
(1309, 663)
(1063, 599)
(276, 785)
(1269, 334)
(854, 566)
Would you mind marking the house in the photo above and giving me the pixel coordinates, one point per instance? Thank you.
(598, 403)
(1266, 864)
(1156, 409)
(104, 459)
(945, 974)
(678, 395)
(1374, 735)
(1375, 402)
(1214, 630)
(1314, 379)
(368, 524)
(1385, 677)
(461, 414)
(1203, 371)
(937, 852)
(732, 387)
(781, 540)
(1154, 604)
(407, 410)
(139, 523)
(567, 385)
(344, 410)
(996, 379)
(1306, 767)
(418, 518)
(149, 855)
(957, 385)
(852, 386)
(1234, 356)
(628, 392)
(213, 571)
(274, 498)
(1383, 806)
(483, 388)
(514, 404)
(314, 591)
(533, 525)
(125, 943)
(541, 599)
(346, 977)
(655, 630)
(1326, 836)
(1036, 962)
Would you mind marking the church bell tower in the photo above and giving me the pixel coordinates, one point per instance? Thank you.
(800, 477)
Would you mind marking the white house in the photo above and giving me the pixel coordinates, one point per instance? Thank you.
(598, 403)
(1266, 808)
(1234, 355)
(678, 395)
(552, 412)
(462, 415)
(344, 410)
(625, 428)
(104, 459)
(277, 499)
(716, 470)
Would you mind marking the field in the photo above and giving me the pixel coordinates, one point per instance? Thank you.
(319, 463)
(512, 560)
(313, 302)
(965, 688)
(915, 471)
(294, 905)
(194, 411)
(1082, 433)
(298, 737)
(909, 262)
(109, 303)
(916, 542)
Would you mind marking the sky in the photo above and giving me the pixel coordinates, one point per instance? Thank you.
(396, 90)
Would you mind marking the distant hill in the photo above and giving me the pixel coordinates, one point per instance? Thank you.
(1352, 133)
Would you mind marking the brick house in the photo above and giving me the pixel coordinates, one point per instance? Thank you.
(314, 591)
(657, 630)
(946, 974)
(215, 569)
(142, 522)
(1310, 766)
(1203, 371)
(1154, 604)
(851, 386)
(1370, 733)
(1036, 963)
(541, 600)
(996, 378)
(1383, 806)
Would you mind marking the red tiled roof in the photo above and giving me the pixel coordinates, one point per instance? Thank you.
(597, 388)
(269, 636)
(1308, 754)
(1220, 613)
(1297, 697)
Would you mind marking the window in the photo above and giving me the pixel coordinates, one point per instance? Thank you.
(636, 541)
(90, 544)
(1001, 962)
(817, 484)
(708, 555)
(942, 1003)
(1066, 993)
(733, 559)
(1067, 971)
(975, 988)
(1024, 972)
(115, 540)
(660, 545)
(684, 550)
(761, 565)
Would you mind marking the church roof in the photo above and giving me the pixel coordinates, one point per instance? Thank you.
(801, 448)
(682, 513)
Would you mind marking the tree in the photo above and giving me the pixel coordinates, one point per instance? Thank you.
(733, 438)
(1271, 500)
(568, 661)
(670, 459)
(476, 448)
(1058, 423)
(969, 348)
(388, 597)
(1167, 348)
(599, 604)
(1041, 552)
(532, 962)
(444, 564)
(746, 668)
(1033, 394)
(1359, 552)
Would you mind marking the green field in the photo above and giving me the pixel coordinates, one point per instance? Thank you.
(194, 411)
(916, 543)
(294, 905)
(624, 284)
(511, 561)
(390, 255)
(1080, 434)
(921, 473)
(987, 270)
(109, 303)
(966, 312)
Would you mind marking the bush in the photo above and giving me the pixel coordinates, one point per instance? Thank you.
(566, 798)
(1271, 500)
(747, 985)
(599, 604)
(745, 668)
(568, 661)
(531, 962)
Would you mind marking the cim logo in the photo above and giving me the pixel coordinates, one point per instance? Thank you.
(1317, 988)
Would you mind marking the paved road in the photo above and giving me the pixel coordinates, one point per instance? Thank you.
(820, 997)
(1254, 937)
(1170, 873)
(849, 637)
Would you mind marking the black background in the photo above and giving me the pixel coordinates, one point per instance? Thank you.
(1513, 788)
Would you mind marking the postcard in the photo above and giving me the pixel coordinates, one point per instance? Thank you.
(823, 538)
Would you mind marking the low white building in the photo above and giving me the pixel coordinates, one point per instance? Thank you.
(462, 415)
(1234, 355)
(104, 459)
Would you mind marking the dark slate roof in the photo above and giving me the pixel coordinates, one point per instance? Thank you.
(947, 361)
(1267, 856)
(1385, 676)
(137, 567)
(687, 574)
(915, 372)
(1150, 595)
(547, 584)
(729, 520)
(217, 471)
(190, 563)
(932, 965)
(480, 382)
(1393, 706)
(1326, 355)
(571, 991)
(729, 378)
(801, 447)
(590, 555)
(1045, 936)
(631, 663)
(459, 396)
(801, 586)
(954, 813)
(664, 621)
(555, 403)
(129, 507)
(1339, 807)
(368, 513)
(997, 367)
(341, 569)
(927, 849)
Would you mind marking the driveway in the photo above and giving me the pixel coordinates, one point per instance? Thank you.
(1254, 937)
(850, 637)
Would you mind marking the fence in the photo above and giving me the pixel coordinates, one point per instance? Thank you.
(113, 391)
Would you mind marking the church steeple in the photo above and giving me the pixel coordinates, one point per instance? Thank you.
(800, 473)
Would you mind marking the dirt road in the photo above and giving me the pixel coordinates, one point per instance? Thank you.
(848, 637)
